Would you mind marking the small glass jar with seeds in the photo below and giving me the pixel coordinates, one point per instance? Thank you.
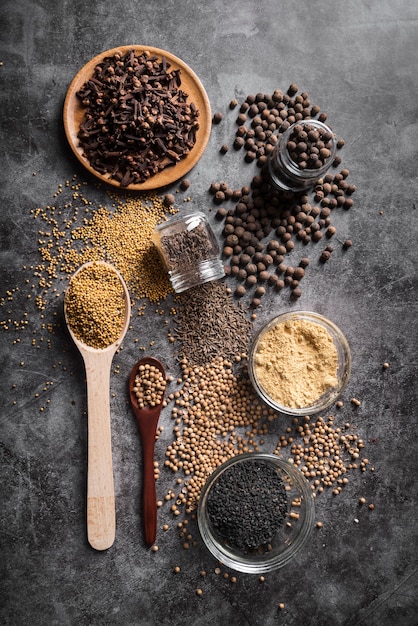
(189, 251)
(303, 154)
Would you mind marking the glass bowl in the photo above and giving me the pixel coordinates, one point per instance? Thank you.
(343, 373)
(291, 528)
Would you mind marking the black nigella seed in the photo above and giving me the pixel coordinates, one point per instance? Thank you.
(248, 504)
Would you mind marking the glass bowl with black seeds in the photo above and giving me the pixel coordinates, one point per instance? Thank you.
(299, 363)
(255, 512)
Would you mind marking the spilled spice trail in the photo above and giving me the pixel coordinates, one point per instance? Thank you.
(211, 324)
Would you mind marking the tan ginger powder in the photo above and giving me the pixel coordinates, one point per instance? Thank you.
(296, 362)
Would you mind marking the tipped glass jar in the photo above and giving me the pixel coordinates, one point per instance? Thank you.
(189, 251)
(303, 154)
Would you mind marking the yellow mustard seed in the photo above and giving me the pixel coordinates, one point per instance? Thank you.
(95, 305)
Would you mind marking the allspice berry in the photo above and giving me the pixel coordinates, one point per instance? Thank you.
(169, 199)
(240, 291)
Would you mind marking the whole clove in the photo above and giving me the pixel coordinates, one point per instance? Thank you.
(138, 121)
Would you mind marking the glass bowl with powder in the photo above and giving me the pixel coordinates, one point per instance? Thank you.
(299, 363)
(255, 512)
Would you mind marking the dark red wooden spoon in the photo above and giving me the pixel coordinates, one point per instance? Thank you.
(147, 421)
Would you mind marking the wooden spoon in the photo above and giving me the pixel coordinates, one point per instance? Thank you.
(147, 420)
(101, 518)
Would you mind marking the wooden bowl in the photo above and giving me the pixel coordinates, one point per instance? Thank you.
(74, 113)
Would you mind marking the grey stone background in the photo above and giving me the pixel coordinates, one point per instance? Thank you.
(358, 60)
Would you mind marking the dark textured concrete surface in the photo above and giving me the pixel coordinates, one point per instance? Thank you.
(358, 60)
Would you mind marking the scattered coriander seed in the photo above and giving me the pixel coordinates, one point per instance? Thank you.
(355, 401)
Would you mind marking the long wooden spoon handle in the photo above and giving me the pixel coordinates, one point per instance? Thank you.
(149, 496)
(101, 518)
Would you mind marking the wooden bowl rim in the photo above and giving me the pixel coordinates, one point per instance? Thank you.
(73, 113)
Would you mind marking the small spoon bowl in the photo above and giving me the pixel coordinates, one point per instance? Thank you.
(147, 420)
(101, 517)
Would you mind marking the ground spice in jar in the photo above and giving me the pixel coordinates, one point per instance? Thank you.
(248, 504)
(296, 362)
(95, 305)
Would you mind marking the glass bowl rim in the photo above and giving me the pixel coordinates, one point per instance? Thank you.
(266, 563)
(343, 349)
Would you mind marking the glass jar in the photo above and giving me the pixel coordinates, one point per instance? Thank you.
(189, 251)
(289, 169)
